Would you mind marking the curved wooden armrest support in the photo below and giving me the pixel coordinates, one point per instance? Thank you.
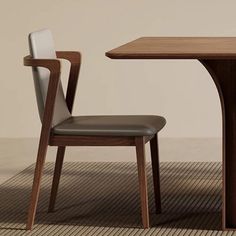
(52, 64)
(75, 59)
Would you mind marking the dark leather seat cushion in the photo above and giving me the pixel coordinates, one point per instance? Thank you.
(111, 125)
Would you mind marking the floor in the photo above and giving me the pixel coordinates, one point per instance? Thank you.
(17, 154)
(102, 199)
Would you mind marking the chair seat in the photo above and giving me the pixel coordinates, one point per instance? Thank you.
(111, 125)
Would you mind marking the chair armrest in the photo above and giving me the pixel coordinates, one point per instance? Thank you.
(71, 56)
(75, 60)
(53, 65)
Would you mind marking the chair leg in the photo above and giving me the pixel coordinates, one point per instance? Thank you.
(156, 172)
(140, 151)
(42, 150)
(56, 177)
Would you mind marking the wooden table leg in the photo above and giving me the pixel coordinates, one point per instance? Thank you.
(223, 73)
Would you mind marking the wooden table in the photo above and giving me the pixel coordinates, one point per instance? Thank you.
(218, 56)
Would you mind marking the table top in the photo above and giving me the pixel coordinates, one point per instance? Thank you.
(177, 48)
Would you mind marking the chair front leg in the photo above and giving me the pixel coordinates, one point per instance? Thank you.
(156, 172)
(42, 151)
(56, 177)
(141, 162)
(53, 66)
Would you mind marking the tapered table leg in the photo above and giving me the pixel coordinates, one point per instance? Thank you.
(223, 73)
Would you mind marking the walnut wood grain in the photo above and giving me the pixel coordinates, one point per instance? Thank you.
(223, 73)
(142, 176)
(75, 61)
(48, 138)
(56, 177)
(156, 172)
(54, 68)
(176, 48)
(52, 64)
(63, 140)
(74, 140)
(218, 55)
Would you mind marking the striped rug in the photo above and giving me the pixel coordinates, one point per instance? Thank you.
(103, 199)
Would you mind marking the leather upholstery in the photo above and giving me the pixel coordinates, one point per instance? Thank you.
(111, 125)
(42, 46)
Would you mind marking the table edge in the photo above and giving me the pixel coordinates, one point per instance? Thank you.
(199, 56)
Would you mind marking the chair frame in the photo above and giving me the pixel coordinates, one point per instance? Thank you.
(47, 138)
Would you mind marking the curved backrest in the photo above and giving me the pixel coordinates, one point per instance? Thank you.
(42, 46)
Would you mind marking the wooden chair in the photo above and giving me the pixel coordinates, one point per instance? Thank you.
(61, 129)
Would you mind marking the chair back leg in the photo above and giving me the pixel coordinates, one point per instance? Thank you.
(56, 177)
(156, 172)
(142, 176)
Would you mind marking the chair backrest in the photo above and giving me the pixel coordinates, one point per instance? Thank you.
(42, 46)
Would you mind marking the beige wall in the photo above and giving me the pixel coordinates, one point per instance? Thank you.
(182, 91)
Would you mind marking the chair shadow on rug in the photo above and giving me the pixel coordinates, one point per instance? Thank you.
(102, 189)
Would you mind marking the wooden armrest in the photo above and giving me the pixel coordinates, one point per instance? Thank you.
(75, 59)
(72, 56)
(52, 64)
